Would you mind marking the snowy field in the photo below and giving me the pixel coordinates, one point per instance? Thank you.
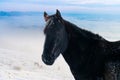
(20, 57)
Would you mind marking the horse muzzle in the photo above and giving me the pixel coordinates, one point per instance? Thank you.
(47, 61)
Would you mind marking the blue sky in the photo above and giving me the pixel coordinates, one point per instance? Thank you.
(99, 6)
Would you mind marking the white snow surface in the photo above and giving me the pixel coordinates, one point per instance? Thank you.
(20, 57)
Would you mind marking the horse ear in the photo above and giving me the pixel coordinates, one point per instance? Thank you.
(58, 14)
(46, 16)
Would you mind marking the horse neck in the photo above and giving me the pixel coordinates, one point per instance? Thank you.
(79, 41)
(80, 37)
(76, 42)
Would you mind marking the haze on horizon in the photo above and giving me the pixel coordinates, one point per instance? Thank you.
(89, 6)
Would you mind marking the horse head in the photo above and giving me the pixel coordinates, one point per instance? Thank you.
(56, 38)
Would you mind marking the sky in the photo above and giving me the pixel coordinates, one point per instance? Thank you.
(95, 6)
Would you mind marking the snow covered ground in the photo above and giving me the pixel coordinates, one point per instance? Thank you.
(20, 57)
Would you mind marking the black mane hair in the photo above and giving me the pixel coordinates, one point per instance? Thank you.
(88, 34)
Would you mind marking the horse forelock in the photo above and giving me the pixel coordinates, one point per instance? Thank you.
(52, 18)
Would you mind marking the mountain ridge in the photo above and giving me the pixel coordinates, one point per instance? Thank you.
(17, 13)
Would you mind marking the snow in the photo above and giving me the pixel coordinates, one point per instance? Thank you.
(20, 57)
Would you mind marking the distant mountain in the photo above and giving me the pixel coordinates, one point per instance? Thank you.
(3, 13)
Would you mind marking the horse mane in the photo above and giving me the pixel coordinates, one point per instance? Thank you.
(87, 34)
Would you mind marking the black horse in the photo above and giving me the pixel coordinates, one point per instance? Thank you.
(89, 56)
